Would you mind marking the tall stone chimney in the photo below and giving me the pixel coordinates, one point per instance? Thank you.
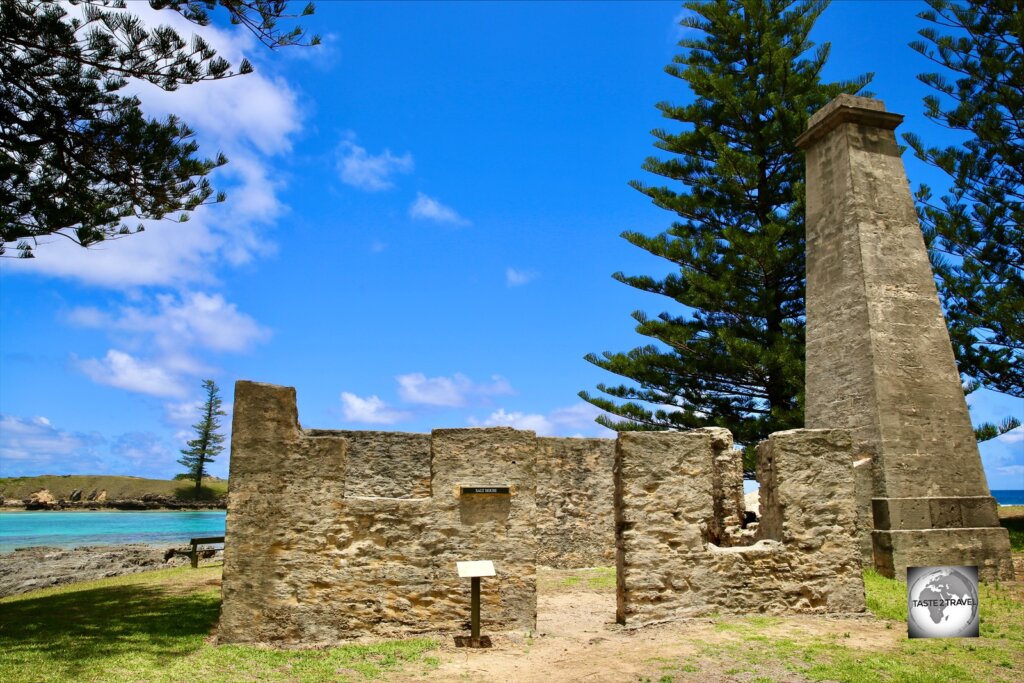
(879, 360)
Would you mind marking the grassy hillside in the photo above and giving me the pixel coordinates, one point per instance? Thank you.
(117, 487)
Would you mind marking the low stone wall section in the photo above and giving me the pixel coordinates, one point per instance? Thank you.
(680, 554)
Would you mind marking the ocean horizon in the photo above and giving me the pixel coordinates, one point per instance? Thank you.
(1009, 496)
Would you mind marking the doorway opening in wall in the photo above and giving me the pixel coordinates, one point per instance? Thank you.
(577, 605)
(751, 500)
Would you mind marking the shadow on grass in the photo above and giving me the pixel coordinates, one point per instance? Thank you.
(1015, 525)
(73, 629)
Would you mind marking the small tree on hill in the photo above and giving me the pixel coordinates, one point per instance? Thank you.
(207, 444)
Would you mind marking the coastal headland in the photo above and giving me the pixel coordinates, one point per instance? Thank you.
(98, 492)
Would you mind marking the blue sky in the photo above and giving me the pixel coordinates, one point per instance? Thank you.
(422, 220)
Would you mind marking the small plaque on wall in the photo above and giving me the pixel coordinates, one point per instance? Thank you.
(470, 490)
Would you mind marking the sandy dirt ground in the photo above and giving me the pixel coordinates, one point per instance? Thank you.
(577, 640)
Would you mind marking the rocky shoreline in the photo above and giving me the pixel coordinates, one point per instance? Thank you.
(97, 500)
(29, 569)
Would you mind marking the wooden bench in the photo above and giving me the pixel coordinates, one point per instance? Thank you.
(195, 543)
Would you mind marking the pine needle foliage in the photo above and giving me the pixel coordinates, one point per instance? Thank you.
(77, 158)
(730, 352)
(976, 231)
(207, 444)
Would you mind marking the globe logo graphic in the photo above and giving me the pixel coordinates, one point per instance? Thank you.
(942, 602)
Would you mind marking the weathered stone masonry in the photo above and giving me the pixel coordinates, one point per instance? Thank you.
(316, 555)
(879, 360)
(338, 534)
(575, 509)
(680, 554)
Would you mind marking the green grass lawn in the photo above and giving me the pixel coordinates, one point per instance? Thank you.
(753, 649)
(997, 655)
(154, 627)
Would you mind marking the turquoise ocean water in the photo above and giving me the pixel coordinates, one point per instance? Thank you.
(72, 529)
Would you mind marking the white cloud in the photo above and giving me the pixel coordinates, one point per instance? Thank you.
(447, 391)
(261, 110)
(579, 416)
(144, 452)
(1003, 460)
(1012, 436)
(170, 326)
(1012, 470)
(428, 208)
(181, 415)
(87, 316)
(322, 57)
(515, 278)
(185, 320)
(258, 110)
(575, 420)
(167, 253)
(531, 421)
(34, 446)
(370, 410)
(182, 412)
(29, 446)
(122, 370)
(369, 172)
(251, 118)
(170, 253)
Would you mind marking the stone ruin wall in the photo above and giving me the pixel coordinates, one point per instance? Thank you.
(575, 506)
(339, 534)
(334, 535)
(681, 550)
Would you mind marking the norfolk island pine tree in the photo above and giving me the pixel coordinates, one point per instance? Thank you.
(207, 444)
(731, 353)
(975, 232)
(78, 157)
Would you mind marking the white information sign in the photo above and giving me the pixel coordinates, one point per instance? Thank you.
(477, 568)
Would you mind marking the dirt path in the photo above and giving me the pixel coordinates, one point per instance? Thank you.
(577, 640)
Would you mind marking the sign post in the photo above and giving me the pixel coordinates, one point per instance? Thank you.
(474, 611)
(473, 571)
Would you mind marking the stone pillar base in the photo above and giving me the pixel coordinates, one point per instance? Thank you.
(987, 548)
(959, 512)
